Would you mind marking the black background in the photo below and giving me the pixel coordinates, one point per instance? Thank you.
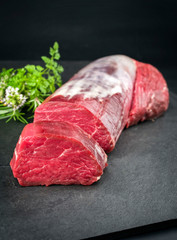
(86, 30)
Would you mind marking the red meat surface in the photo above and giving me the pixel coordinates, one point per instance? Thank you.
(97, 99)
(57, 153)
(150, 97)
(71, 128)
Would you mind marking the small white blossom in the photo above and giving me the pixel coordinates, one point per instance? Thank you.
(13, 98)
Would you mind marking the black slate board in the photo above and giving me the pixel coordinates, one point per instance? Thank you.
(138, 187)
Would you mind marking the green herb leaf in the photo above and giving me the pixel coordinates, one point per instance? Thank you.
(57, 56)
(28, 86)
(56, 46)
(45, 59)
(30, 68)
(39, 68)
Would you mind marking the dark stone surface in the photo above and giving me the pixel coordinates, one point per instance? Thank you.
(138, 187)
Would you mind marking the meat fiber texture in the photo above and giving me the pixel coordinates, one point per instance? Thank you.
(97, 99)
(105, 96)
(57, 153)
(151, 95)
(97, 102)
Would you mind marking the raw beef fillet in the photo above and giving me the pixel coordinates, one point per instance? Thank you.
(62, 146)
(106, 95)
(57, 153)
(97, 99)
(150, 97)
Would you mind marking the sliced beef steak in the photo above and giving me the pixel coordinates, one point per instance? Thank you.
(97, 99)
(57, 153)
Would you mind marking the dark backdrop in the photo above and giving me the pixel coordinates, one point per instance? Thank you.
(89, 29)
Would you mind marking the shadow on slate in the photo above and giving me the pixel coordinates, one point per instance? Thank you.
(137, 188)
(158, 231)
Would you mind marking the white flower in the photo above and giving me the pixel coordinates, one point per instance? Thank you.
(13, 98)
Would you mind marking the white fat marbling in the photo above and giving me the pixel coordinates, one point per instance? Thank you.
(20, 139)
(15, 153)
(80, 86)
(96, 82)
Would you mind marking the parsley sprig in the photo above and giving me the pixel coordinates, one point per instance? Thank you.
(28, 86)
